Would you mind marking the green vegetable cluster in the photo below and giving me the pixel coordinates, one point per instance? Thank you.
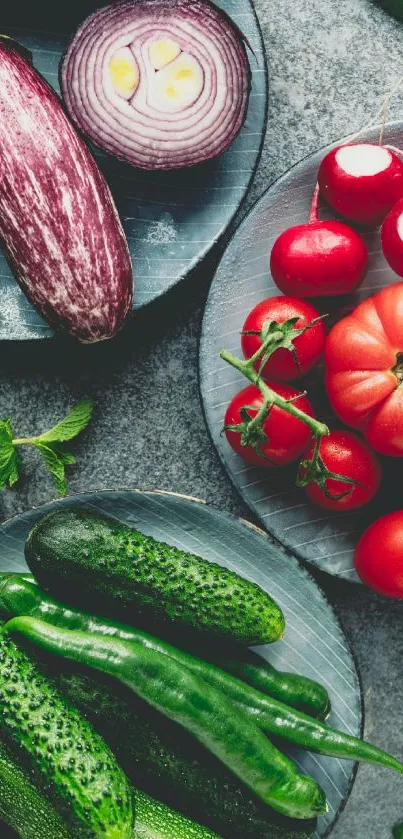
(190, 726)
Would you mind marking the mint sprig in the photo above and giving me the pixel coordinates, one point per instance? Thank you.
(49, 444)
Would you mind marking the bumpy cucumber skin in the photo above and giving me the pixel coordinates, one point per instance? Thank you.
(163, 760)
(157, 821)
(23, 807)
(183, 697)
(81, 555)
(28, 812)
(67, 758)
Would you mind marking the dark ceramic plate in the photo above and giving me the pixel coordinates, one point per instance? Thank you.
(243, 279)
(171, 219)
(314, 643)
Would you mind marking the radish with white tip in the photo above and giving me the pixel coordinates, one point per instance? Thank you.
(361, 181)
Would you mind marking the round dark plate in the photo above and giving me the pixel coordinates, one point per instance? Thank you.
(243, 278)
(171, 219)
(314, 643)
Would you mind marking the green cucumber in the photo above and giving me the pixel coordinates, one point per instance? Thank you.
(62, 755)
(163, 760)
(182, 697)
(25, 809)
(96, 560)
(157, 821)
(23, 806)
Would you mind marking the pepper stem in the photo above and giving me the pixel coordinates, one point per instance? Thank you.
(274, 335)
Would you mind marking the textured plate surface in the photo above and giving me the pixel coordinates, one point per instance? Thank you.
(243, 278)
(171, 219)
(314, 643)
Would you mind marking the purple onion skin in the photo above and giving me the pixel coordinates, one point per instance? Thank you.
(154, 142)
(58, 223)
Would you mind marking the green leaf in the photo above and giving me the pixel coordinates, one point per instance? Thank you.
(66, 457)
(6, 432)
(49, 444)
(70, 426)
(9, 458)
(54, 464)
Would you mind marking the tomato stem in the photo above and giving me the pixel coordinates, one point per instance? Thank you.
(311, 469)
(314, 471)
(319, 429)
(274, 335)
(314, 212)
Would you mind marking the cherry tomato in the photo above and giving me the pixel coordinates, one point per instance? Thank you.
(364, 369)
(284, 365)
(343, 453)
(286, 437)
(378, 557)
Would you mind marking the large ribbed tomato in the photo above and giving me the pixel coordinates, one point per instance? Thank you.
(364, 369)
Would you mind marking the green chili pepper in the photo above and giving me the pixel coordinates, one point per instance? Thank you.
(181, 696)
(291, 688)
(398, 831)
(19, 597)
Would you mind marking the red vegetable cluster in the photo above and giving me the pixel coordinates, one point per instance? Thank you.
(271, 424)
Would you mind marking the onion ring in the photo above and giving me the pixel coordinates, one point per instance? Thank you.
(160, 84)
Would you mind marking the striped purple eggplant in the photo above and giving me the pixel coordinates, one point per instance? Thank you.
(58, 222)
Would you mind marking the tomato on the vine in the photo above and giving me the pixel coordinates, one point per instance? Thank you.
(341, 453)
(292, 332)
(281, 437)
(378, 557)
(364, 369)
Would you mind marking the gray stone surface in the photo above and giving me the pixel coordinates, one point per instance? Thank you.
(330, 64)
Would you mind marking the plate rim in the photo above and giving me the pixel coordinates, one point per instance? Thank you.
(267, 536)
(252, 212)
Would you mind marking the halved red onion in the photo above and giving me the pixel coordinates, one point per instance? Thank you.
(161, 84)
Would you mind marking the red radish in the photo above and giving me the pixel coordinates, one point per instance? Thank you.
(392, 238)
(321, 258)
(361, 181)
